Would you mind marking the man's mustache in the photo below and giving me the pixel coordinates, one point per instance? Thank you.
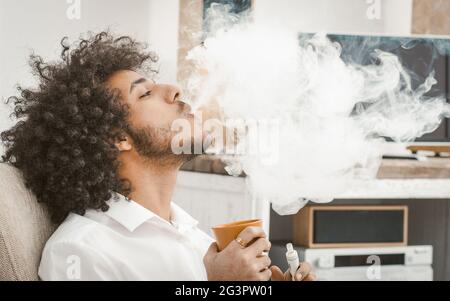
(183, 108)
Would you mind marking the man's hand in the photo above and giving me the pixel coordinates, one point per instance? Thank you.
(304, 273)
(236, 262)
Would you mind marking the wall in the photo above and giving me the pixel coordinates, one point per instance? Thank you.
(163, 21)
(216, 199)
(343, 16)
(189, 34)
(398, 16)
(431, 17)
(4, 110)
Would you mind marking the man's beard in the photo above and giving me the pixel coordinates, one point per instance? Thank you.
(154, 144)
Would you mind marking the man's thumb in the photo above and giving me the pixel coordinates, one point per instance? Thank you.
(212, 251)
(277, 274)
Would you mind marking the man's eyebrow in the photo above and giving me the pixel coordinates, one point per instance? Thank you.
(137, 82)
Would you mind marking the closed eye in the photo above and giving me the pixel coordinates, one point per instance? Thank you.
(148, 93)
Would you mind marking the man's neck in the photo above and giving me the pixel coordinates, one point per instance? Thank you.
(152, 184)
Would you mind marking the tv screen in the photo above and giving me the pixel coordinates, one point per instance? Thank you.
(420, 56)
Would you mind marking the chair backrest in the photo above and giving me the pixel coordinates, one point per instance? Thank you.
(25, 227)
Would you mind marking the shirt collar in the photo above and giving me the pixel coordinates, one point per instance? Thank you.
(181, 217)
(131, 214)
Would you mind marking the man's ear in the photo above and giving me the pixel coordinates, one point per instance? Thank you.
(124, 144)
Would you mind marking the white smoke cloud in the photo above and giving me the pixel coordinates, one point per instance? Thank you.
(332, 114)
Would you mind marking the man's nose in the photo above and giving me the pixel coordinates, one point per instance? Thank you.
(172, 93)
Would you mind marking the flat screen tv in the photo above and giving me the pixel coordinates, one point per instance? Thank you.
(419, 55)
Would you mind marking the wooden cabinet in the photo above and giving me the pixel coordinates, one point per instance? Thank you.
(428, 224)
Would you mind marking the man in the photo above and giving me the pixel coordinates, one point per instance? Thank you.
(94, 145)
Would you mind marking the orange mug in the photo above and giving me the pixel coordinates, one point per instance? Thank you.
(226, 233)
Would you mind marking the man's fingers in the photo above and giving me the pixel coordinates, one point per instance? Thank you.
(310, 277)
(287, 275)
(277, 274)
(263, 262)
(302, 271)
(259, 246)
(212, 251)
(250, 234)
(265, 275)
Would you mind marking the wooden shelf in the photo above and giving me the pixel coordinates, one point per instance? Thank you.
(430, 148)
(430, 168)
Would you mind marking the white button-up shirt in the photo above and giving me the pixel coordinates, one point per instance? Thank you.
(127, 242)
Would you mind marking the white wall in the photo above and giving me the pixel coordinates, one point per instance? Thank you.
(4, 110)
(214, 199)
(336, 16)
(163, 36)
(398, 17)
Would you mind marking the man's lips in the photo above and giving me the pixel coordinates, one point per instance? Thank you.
(186, 110)
(187, 114)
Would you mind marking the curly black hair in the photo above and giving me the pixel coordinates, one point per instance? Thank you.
(63, 142)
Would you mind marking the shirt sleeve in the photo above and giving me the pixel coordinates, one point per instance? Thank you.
(75, 261)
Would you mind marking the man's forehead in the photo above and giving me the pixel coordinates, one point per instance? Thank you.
(122, 79)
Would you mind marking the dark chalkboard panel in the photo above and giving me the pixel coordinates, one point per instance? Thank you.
(358, 226)
(420, 56)
(317, 226)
